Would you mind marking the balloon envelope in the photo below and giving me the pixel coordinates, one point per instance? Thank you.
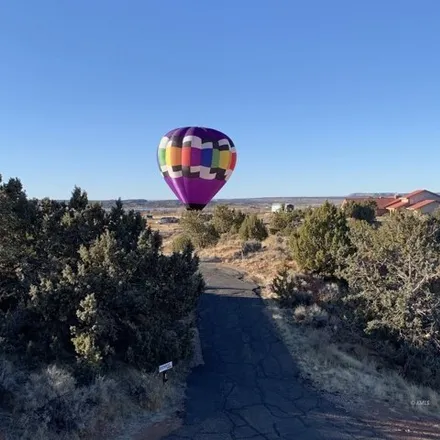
(196, 162)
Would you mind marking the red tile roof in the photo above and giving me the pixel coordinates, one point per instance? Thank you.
(416, 192)
(419, 191)
(398, 204)
(384, 202)
(394, 202)
(422, 204)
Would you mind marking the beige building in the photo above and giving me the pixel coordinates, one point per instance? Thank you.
(422, 200)
(426, 206)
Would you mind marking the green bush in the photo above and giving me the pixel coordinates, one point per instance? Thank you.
(181, 242)
(365, 210)
(90, 289)
(227, 220)
(394, 281)
(286, 222)
(321, 244)
(291, 290)
(239, 218)
(200, 230)
(253, 228)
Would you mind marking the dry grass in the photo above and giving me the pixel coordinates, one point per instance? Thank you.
(347, 370)
(261, 266)
(49, 404)
(168, 232)
(227, 246)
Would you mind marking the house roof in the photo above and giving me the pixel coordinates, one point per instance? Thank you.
(394, 202)
(414, 193)
(419, 191)
(384, 202)
(398, 204)
(423, 203)
(401, 202)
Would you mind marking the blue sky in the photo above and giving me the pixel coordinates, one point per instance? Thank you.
(320, 97)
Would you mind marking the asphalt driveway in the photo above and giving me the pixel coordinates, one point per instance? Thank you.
(249, 386)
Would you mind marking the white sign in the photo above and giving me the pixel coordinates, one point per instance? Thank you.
(165, 367)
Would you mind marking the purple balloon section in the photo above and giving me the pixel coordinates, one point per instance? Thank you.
(196, 192)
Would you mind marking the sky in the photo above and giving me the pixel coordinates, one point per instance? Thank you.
(321, 98)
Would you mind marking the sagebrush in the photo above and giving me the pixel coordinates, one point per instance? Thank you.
(253, 228)
(200, 229)
(89, 288)
(85, 294)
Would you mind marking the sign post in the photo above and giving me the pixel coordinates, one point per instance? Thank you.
(164, 368)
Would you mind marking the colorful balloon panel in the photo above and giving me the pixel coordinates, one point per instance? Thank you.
(196, 162)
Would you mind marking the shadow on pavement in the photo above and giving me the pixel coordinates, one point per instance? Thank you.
(249, 386)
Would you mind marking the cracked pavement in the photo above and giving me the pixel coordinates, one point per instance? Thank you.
(249, 386)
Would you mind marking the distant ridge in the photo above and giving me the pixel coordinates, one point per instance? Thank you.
(145, 205)
(385, 194)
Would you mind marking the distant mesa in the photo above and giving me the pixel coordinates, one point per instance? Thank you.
(381, 194)
(256, 203)
(384, 194)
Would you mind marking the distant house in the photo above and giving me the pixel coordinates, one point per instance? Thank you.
(426, 206)
(422, 201)
(277, 207)
(282, 207)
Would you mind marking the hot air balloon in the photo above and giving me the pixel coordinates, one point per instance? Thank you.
(196, 162)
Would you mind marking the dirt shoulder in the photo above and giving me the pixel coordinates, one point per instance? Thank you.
(157, 425)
